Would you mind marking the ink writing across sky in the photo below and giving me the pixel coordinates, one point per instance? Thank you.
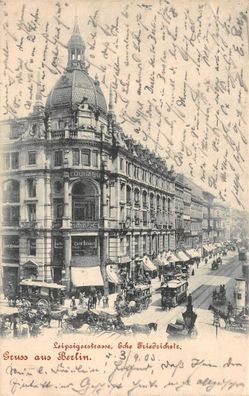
(179, 73)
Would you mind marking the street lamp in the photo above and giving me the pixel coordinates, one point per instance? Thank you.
(189, 316)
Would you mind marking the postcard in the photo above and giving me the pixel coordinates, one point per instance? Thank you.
(124, 198)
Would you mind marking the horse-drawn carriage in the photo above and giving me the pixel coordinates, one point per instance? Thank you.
(43, 295)
(219, 296)
(95, 321)
(215, 264)
(134, 299)
(173, 293)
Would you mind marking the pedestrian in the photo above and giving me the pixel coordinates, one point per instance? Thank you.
(229, 309)
(99, 296)
(90, 302)
(73, 303)
(94, 300)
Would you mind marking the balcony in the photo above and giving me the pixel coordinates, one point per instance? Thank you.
(85, 224)
(57, 223)
(28, 224)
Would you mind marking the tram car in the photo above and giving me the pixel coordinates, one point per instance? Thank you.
(174, 292)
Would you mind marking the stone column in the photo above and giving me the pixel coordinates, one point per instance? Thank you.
(66, 217)
(67, 262)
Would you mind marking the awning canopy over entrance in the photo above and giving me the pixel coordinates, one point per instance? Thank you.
(182, 256)
(112, 274)
(148, 265)
(86, 276)
(193, 253)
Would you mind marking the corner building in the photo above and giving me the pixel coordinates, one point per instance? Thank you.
(83, 204)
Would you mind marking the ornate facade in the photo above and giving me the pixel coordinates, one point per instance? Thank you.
(82, 202)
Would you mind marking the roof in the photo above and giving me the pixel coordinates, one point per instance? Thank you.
(30, 282)
(74, 86)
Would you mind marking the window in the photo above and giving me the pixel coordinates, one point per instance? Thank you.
(11, 215)
(11, 191)
(58, 157)
(95, 158)
(128, 245)
(76, 157)
(137, 197)
(58, 208)
(31, 188)
(128, 194)
(144, 244)
(32, 157)
(121, 164)
(10, 247)
(32, 247)
(85, 157)
(14, 160)
(136, 245)
(32, 212)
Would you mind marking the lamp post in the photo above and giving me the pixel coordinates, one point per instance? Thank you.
(189, 316)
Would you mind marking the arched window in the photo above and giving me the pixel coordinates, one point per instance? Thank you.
(151, 201)
(158, 203)
(145, 199)
(128, 194)
(137, 196)
(11, 191)
(85, 202)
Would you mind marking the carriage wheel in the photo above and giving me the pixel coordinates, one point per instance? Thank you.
(43, 304)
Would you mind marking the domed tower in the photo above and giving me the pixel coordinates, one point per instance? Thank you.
(76, 100)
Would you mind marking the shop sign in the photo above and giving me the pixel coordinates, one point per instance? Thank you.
(84, 246)
(85, 173)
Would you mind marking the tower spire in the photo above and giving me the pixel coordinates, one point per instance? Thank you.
(38, 96)
(110, 106)
(76, 49)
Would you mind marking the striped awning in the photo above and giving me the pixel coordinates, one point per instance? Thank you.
(182, 256)
(112, 274)
(148, 265)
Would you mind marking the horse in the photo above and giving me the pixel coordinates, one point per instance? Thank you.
(143, 328)
(221, 314)
(48, 315)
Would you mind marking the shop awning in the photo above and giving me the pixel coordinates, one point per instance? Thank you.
(86, 276)
(193, 253)
(171, 258)
(112, 274)
(182, 256)
(208, 248)
(148, 265)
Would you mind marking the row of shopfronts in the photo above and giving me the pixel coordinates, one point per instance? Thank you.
(85, 272)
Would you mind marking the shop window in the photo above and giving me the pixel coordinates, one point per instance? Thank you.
(31, 188)
(10, 247)
(85, 157)
(32, 247)
(31, 157)
(58, 158)
(76, 157)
